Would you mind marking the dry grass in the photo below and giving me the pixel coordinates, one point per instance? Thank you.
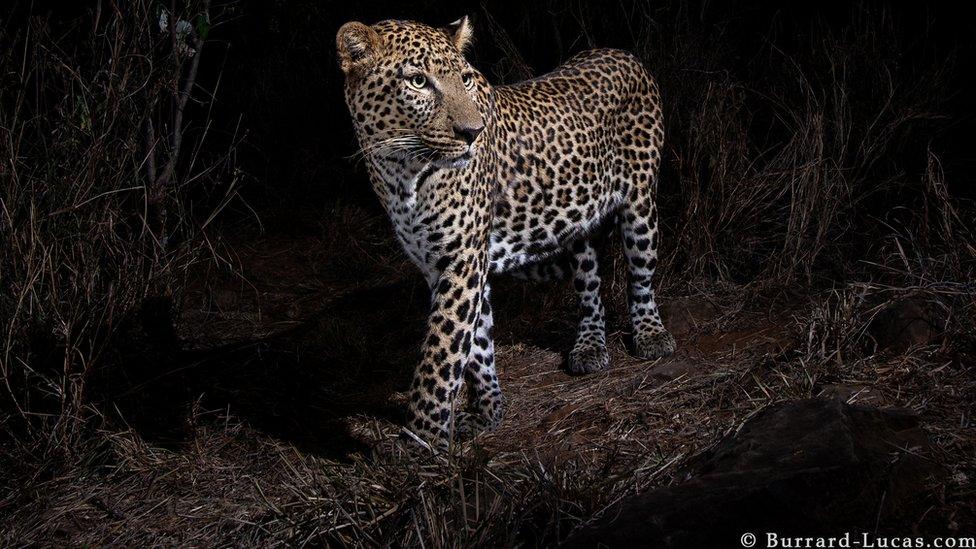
(250, 468)
(100, 169)
(571, 447)
(782, 162)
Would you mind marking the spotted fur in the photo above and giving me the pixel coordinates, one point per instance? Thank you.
(479, 178)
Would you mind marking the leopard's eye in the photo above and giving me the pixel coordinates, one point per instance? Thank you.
(418, 81)
(467, 79)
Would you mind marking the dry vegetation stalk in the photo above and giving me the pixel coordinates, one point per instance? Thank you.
(91, 234)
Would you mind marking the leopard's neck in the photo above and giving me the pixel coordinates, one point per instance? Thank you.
(398, 181)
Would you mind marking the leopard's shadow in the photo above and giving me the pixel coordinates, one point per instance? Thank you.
(299, 385)
(303, 383)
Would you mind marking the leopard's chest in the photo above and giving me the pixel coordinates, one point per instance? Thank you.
(407, 218)
(418, 208)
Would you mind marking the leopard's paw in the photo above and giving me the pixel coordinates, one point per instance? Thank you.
(654, 345)
(588, 359)
(468, 425)
(422, 445)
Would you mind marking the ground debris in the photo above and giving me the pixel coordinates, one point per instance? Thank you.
(805, 467)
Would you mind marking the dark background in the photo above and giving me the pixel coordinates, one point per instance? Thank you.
(280, 68)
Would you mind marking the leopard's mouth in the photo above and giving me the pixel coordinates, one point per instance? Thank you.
(454, 162)
(448, 153)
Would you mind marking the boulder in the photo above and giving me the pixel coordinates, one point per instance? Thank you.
(808, 467)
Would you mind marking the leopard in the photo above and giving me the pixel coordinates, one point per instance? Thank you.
(480, 179)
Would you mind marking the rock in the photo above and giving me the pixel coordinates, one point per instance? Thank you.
(809, 467)
(907, 323)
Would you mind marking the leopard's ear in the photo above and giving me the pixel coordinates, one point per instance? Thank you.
(358, 46)
(461, 31)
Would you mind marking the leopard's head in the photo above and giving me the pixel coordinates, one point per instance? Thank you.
(411, 93)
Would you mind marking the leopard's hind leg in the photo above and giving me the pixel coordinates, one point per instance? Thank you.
(589, 352)
(640, 142)
(579, 260)
(638, 228)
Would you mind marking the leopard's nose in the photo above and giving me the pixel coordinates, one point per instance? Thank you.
(468, 133)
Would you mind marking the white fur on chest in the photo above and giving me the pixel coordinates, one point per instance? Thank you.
(406, 208)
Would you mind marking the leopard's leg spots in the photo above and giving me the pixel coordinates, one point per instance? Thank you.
(486, 406)
(639, 231)
(456, 307)
(589, 352)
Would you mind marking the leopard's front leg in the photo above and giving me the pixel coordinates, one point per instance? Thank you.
(456, 303)
(486, 406)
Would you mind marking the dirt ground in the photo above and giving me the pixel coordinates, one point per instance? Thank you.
(276, 421)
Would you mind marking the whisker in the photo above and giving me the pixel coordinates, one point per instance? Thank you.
(387, 146)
